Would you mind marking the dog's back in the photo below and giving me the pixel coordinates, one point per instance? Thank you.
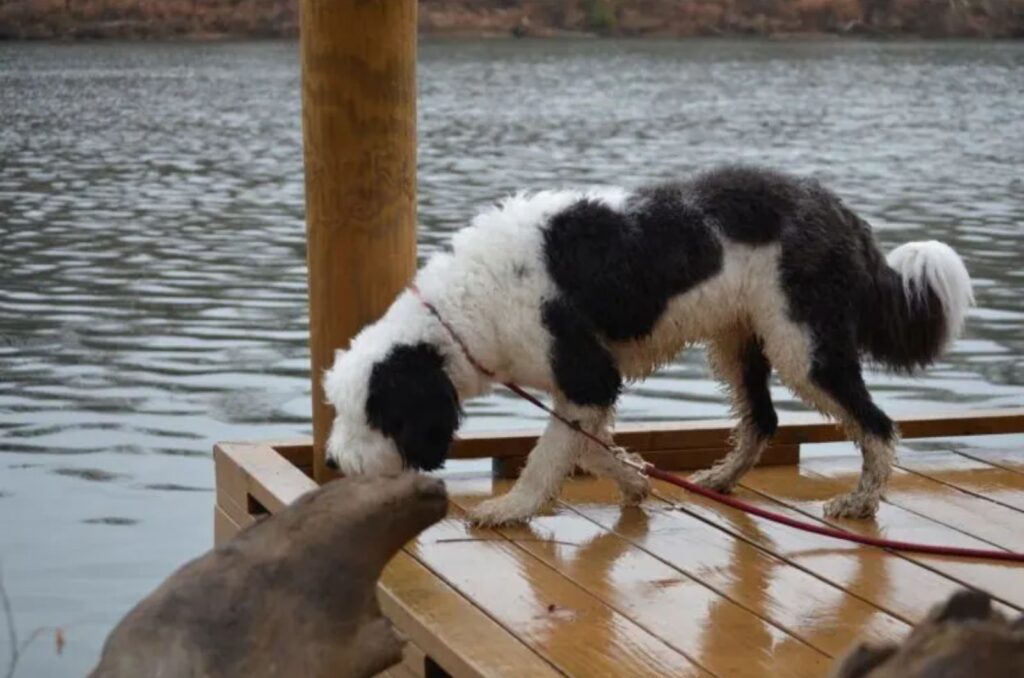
(573, 292)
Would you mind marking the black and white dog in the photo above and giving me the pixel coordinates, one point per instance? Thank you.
(572, 292)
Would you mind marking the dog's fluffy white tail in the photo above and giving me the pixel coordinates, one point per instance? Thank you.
(933, 265)
(922, 295)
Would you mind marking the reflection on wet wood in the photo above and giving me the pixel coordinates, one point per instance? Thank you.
(1008, 459)
(898, 586)
(449, 627)
(968, 474)
(681, 585)
(560, 620)
(991, 522)
(806, 488)
(819, 614)
(684, 612)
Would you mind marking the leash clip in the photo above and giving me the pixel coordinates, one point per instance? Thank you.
(634, 461)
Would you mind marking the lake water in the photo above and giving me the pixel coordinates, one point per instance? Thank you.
(152, 277)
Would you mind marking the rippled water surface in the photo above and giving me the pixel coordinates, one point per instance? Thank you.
(152, 290)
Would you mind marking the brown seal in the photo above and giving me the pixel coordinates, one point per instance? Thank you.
(293, 595)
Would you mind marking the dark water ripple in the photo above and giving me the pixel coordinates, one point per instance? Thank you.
(152, 277)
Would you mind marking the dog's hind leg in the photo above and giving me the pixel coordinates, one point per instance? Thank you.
(825, 372)
(738, 359)
(839, 376)
(549, 464)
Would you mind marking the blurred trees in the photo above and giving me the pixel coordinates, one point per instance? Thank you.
(279, 18)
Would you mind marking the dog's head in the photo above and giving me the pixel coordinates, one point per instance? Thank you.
(395, 412)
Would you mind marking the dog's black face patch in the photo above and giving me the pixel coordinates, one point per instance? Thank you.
(412, 401)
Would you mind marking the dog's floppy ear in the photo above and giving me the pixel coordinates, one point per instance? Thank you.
(412, 400)
(427, 435)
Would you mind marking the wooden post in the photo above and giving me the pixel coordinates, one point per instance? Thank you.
(359, 133)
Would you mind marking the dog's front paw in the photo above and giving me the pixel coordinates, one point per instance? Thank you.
(714, 479)
(854, 505)
(505, 510)
(634, 487)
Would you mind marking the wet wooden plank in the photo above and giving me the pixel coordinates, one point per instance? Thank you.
(224, 527)
(793, 430)
(807, 487)
(569, 627)
(230, 477)
(673, 460)
(901, 587)
(237, 514)
(687, 614)
(449, 628)
(299, 451)
(996, 524)
(262, 473)
(1009, 459)
(973, 476)
(821, 615)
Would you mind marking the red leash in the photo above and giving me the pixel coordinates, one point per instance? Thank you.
(649, 469)
(835, 533)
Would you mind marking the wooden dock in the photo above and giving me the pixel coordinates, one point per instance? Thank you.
(677, 587)
(680, 586)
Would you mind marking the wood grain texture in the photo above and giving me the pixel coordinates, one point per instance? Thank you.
(359, 137)
(572, 629)
(819, 614)
(968, 474)
(688, 615)
(449, 628)
(807, 487)
(999, 525)
(259, 471)
(224, 527)
(901, 587)
(660, 589)
(1008, 459)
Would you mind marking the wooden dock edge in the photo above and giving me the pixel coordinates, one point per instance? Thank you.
(256, 479)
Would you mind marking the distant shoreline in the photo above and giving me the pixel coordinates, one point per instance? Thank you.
(214, 38)
(220, 20)
(208, 38)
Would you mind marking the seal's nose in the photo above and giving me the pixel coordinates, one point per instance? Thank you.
(331, 463)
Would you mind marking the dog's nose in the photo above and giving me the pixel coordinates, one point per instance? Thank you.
(331, 463)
